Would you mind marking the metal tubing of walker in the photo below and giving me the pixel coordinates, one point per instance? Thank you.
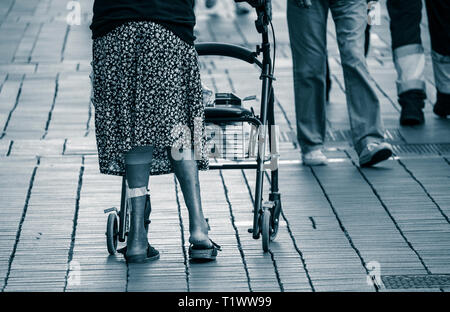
(261, 147)
(122, 212)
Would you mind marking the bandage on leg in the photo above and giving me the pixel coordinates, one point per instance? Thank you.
(137, 192)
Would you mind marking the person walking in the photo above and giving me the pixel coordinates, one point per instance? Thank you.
(409, 57)
(307, 32)
(149, 113)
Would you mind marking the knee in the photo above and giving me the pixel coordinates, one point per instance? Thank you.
(310, 67)
(353, 57)
(139, 155)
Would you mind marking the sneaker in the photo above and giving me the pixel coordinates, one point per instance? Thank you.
(442, 106)
(412, 103)
(210, 3)
(241, 8)
(374, 153)
(314, 158)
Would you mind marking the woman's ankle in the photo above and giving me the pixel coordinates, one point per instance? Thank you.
(136, 244)
(199, 235)
(200, 239)
(199, 226)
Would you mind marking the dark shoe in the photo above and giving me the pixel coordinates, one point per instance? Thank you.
(151, 255)
(442, 106)
(374, 153)
(197, 253)
(412, 103)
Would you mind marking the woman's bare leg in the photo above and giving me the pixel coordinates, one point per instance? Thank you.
(137, 168)
(186, 171)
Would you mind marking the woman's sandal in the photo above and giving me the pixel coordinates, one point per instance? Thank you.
(151, 255)
(202, 253)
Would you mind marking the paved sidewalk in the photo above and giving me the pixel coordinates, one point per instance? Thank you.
(340, 223)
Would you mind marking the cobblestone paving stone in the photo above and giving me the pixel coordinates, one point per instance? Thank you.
(338, 222)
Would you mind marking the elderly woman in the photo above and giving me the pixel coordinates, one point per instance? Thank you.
(149, 113)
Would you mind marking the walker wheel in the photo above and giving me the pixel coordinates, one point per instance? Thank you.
(112, 233)
(265, 229)
(275, 220)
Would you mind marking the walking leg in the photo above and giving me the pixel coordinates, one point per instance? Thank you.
(307, 33)
(138, 161)
(409, 58)
(186, 171)
(438, 13)
(350, 18)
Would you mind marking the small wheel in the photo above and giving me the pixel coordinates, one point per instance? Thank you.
(112, 233)
(275, 220)
(265, 229)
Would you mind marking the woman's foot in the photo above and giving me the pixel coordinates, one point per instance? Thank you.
(200, 241)
(139, 250)
(202, 254)
(136, 246)
(199, 235)
(150, 254)
(137, 241)
(202, 248)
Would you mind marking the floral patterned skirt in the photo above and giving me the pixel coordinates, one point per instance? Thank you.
(146, 91)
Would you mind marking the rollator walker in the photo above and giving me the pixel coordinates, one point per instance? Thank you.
(266, 214)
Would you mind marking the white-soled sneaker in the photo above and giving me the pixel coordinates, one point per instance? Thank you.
(314, 158)
(374, 153)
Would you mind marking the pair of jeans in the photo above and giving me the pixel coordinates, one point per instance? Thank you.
(407, 48)
(307, 33)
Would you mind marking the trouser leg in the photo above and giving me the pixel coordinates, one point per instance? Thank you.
(307, 33)
(350, 18)
(408, 53)
(439, 25)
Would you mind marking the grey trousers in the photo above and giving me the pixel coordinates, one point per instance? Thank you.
(307, 32)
